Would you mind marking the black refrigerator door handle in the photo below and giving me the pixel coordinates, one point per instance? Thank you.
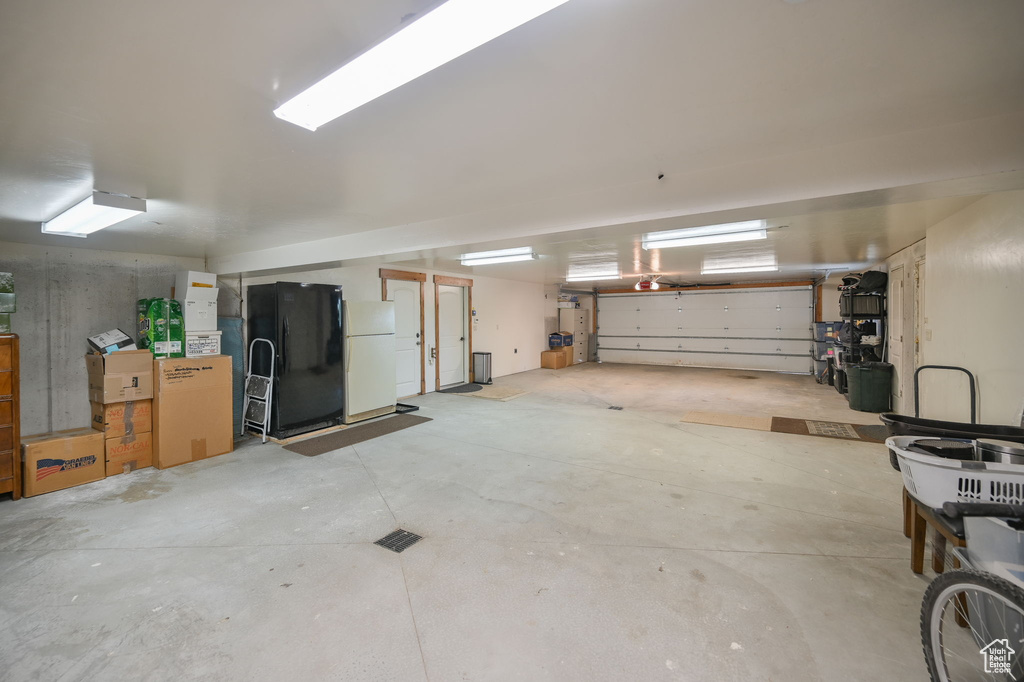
(284, 344)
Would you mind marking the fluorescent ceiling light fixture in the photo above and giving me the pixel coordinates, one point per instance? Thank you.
(501, 256)
(100, 210)
(449, 31)
(747, 230)
(748, 268)
(591, 278)
(589, 270)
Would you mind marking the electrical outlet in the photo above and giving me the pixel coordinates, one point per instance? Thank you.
(515, 350)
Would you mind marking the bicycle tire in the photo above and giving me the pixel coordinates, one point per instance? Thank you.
(948, 587)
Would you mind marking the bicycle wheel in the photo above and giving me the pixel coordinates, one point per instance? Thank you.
(972, 628)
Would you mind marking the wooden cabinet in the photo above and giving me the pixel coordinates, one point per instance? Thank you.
(10, 438)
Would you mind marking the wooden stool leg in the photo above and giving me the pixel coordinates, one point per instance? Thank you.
(938, 551)
(918, 529)
(908, 508)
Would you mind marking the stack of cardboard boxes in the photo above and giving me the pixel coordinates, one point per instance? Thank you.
(120, 438)
(145, 412)
(121, 396)
(561, 352)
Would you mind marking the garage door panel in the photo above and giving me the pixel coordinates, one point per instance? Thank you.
(754, 329)
(720, 360)
(768, 346)
(624, 356)
(617, 322)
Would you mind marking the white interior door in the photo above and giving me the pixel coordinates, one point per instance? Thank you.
(894, 340)
(408, 358)
(451, 328)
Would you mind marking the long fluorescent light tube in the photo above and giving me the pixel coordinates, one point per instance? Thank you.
(501, 256)
(750, 268)
(705, 234)
(94, 213)
(590, 278)
(445, 33)
(708, 239)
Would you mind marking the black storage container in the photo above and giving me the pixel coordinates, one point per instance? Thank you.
(870, 386)
(864, 305)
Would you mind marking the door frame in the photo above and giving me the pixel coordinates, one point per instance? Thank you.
(404, 276)
(467, 284)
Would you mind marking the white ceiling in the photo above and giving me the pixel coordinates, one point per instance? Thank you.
(818, 115)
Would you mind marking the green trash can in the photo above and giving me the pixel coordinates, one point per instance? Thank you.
(870, 386)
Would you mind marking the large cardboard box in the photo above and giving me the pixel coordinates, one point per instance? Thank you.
(120, 376)
(122, 419)
(63, 459)
(128, 453)
(553, 359)
(192, 415)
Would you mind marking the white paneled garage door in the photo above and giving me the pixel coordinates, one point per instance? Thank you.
(758, 328)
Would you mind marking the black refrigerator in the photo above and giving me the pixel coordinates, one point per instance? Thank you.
(304, 323)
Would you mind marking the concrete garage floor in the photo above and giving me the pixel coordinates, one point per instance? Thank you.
(563, 541)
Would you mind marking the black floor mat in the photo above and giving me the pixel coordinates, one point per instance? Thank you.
(355, 434)
(464, 388)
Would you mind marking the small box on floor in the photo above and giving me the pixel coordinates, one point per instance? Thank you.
(120, 419)
(62, 459)
(121, 376)
(553, 359)
(128, 453)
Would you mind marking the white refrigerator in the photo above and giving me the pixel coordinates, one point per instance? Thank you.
(369, 331)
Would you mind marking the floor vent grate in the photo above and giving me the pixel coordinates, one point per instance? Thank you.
(614, 407)
(834, 429)
(399, 541)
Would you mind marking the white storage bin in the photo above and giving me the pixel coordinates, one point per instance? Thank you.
(200, 344)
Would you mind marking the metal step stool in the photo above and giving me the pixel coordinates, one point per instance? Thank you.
(259, 394)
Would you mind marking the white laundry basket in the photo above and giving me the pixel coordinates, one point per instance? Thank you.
(934, 480)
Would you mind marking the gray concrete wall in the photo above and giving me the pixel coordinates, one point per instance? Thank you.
(64, 296)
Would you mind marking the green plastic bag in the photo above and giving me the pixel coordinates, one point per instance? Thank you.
(142, 325)
(163, 329)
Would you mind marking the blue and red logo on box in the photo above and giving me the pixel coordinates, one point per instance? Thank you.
(48, 467)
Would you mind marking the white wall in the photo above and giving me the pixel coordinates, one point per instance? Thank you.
(974, 297)
(64, 296)
(510, 322)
